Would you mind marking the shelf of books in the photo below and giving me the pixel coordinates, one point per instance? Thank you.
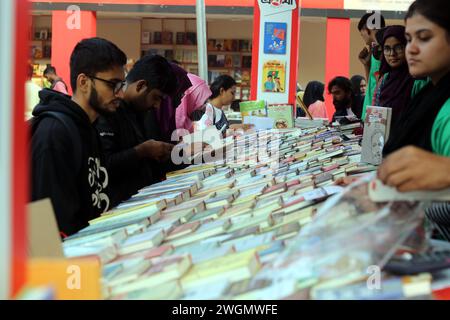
(261, 218)
(40, 53)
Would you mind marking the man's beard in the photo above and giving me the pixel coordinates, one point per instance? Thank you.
(342, 104)
(96, 105)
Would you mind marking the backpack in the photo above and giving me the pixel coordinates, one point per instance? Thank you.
(72, 129)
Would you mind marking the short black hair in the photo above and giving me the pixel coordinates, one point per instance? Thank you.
(156, 71)
(362, 24)
(341, 82)
(223, 81)
(235, 105)
(94, 55)
(437, 11)
(50, 69)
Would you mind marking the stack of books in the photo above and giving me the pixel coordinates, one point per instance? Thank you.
(212, 230)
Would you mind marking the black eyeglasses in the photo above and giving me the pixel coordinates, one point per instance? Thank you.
(398, 49)
(116, 86)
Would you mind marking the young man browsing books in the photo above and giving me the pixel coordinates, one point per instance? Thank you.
(66, 157)
(135, 156)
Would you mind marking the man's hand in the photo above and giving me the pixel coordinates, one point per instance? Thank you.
(155, 150)
(413, 169)
(364, 57)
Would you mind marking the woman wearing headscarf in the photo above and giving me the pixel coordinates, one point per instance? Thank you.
(395, 83)
(314, 100)
(194, 98)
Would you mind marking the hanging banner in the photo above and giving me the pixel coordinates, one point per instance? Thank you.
(378, 5)
(275, 51)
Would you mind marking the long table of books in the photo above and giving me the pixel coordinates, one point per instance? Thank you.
(253, 225)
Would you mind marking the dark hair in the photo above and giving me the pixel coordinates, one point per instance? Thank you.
(313, 92)
(49, 69)
(362, 24)
(356, 83)
(235, 105)
(223, 81)
(341, 82)
(157, 71)
(436, 11)
(94, 55)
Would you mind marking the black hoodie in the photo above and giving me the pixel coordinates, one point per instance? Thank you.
(76, 183)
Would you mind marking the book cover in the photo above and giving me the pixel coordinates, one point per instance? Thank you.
(228, 61)
(274, 76)
(228, 45)
(253, 108)
(376, 130)
(145, 37)
(191, 38)
(244, 45)
(179, 55)
(211, 45)
(275, 36)
(157, 37)
(282, 114)
(237, 61)
(212, 60)
(220, 62)
(167, 37)
(181, 38)
(246, 62)
(219, 45)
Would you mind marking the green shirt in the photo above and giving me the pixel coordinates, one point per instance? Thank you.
(440, 134)
(371, 84)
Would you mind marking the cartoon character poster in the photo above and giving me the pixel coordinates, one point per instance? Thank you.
(274, 76)
(275, 36)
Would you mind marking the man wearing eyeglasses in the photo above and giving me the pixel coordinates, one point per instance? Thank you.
(135, 154)
(66, 154)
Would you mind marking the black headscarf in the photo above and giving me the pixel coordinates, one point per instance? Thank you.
(395, 91)
(313, 92)
(416, 125)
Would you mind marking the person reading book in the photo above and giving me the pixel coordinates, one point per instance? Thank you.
(223, 91)
(134, 156)
(194, 98)
(66, 158)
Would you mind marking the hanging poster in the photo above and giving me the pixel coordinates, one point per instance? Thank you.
(274, 76)
(275, 38)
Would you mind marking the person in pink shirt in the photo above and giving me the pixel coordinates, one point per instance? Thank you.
(194, 98)
(57, 83)
(314, 100)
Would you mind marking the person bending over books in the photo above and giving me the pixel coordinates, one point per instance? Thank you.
(223, 91)
(134, 156)
(418, 154)
(343, 99)
(194, 98)
(66, 159)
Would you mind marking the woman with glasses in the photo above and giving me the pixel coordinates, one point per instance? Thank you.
(395, 84)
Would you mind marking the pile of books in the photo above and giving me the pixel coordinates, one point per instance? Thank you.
(214, 230)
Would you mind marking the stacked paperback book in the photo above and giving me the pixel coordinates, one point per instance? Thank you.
(214, 230)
